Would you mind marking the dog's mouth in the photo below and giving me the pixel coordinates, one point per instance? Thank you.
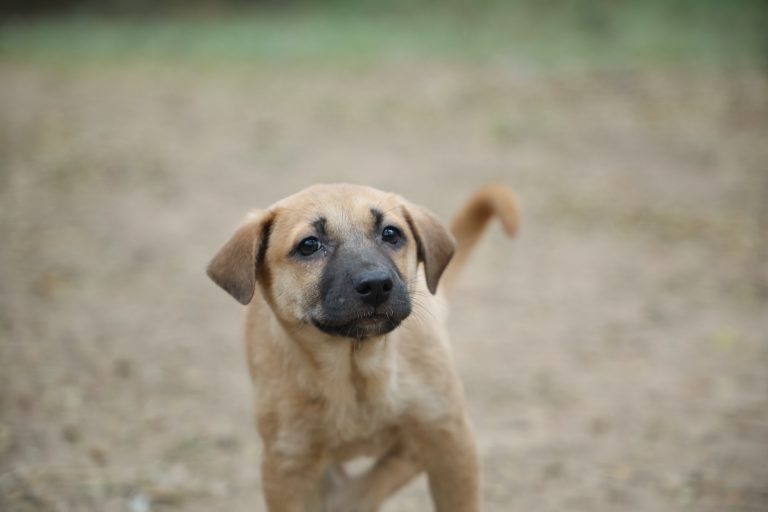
(359, 328)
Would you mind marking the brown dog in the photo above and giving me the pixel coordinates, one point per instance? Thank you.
(347, 345)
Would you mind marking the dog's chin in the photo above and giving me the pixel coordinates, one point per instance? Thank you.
(360, 328)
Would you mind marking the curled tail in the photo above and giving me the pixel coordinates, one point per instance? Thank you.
(470, 222)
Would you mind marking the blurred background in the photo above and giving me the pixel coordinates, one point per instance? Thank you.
(615, 355)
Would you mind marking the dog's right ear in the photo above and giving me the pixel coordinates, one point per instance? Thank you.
(235, 266)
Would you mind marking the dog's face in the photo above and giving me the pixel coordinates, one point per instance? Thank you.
(339, 258)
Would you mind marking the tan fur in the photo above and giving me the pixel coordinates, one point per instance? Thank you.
(470, 222)
(322, 400)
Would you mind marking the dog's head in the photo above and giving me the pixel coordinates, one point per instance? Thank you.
(340, 258)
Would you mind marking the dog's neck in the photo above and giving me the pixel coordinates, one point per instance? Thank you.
(343, 370)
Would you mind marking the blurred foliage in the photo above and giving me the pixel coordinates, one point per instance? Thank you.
(624, 33)
(596, 8)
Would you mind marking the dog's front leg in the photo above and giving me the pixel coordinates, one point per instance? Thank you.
(290, 489)
(366, 492)
(452, 467)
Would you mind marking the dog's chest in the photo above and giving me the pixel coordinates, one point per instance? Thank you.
(362, 408)
(361, 427)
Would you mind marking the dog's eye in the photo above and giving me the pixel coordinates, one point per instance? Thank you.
(391, 235)
(309, 245)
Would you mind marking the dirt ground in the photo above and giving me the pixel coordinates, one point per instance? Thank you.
(615, 355)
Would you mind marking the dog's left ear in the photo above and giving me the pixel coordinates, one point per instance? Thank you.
(434, 244)
(237, 263)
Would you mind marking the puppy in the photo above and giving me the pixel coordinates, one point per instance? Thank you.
(347, 345)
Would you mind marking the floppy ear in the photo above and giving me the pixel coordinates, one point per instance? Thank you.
(234, 267)
(434, 244)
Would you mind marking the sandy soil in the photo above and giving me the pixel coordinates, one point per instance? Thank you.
(615, 355)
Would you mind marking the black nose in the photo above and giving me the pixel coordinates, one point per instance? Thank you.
(373, 286)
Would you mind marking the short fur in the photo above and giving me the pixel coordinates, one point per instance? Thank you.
(389, 389)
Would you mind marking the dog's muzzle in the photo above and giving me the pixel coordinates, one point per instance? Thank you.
(361, 298)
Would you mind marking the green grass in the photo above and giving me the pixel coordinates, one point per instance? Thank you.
(608, 34)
